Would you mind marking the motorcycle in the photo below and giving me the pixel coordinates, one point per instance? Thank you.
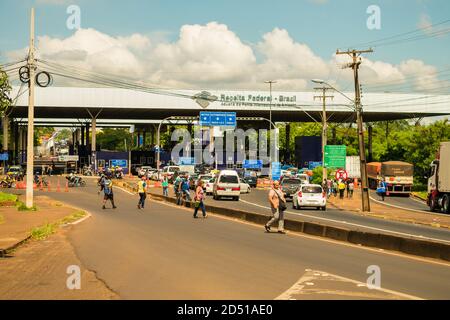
(8, 182)
(87, 172)
(75, 181)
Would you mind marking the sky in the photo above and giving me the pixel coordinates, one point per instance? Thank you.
(230, 44)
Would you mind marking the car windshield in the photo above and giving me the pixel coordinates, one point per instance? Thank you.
(229, 179)
(205, 178)
(291, 181)
(312, 189)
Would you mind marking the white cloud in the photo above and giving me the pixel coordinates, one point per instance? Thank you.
(213, 56)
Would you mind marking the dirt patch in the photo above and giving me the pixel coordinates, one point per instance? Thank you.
(17, 225)
(38, 271)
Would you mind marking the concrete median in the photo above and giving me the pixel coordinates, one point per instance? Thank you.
(423, 248)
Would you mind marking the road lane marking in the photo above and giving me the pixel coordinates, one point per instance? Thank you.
(352, 224)
(398, 207)
(312, 277)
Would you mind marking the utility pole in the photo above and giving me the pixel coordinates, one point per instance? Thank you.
(324, 98)
(30, 147)
(356, 62)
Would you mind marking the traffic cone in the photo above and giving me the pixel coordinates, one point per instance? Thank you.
(67, 187)
(49, 189)
(58, 187)
(41, 186)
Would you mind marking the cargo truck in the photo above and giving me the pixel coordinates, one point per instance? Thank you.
(439, 181)
(397, 174)
(353, 167)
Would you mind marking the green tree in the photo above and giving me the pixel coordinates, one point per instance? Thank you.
(5, 90)
(114, 139)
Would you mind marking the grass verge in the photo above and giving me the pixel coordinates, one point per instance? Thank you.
(22, 207)
(43, 232)
(7, 197)
(421, 194)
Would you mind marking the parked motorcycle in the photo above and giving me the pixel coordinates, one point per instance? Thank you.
(8, 182)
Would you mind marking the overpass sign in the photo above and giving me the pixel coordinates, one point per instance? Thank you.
(218, 119)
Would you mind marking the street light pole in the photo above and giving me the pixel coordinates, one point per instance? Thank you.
(30, 137)
(271, 82)
(323, 97)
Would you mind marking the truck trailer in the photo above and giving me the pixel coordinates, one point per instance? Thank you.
(439, 182)
(397, 174)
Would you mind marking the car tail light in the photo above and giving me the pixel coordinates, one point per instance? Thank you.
(236, 189)
(220, 189)
(299, 194)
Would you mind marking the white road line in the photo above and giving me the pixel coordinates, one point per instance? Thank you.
(354, 224)
(398, 207)
(315, 274)
(124, 190)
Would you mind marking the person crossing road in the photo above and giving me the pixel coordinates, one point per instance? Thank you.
(142, 190)
(108, 191)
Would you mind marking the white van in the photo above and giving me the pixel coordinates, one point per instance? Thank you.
(227, 184)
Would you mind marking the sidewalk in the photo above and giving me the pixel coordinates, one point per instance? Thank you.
(37, 269)
(16, 226)
(385, 212)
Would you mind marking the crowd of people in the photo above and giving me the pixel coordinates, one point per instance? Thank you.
(335, 187)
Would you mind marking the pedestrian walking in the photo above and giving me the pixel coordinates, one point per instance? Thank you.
(341, 187)
(382, 189)
(199, 199)
(185, 189)
(351, 187)
(347, 185)
(330, 188)
(278, 206)
(177, 189)
(165, 186)
(335, 188)
(101, 183)
(108, 191)
(142, 190)
(325, 186)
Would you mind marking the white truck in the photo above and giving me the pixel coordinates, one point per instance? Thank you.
(353, 167)
(439, 181)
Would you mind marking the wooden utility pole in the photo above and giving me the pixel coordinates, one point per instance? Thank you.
(356, 62)
(30, 146)
(324, 98)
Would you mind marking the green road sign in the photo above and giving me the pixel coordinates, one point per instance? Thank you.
(335, 156)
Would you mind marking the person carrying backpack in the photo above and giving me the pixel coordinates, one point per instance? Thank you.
(108, 191)
(185, 189)
(278, 206)
(142, 190)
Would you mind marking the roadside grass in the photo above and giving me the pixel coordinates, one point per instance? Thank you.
(22, 207)
(421, 194)
(7, 197)
(43, 232)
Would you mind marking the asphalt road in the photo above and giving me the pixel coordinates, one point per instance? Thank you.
(402, 201)
(257, 202)
(161, 252)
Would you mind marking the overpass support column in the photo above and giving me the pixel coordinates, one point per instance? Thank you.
(87, 136)
(370, 131)
(16, 142)
(94, 144)
(287, 151)
(5, 125)
(82, 135)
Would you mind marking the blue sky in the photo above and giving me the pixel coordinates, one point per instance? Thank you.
(323, 25)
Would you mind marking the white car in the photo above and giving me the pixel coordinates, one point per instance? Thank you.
(245, 187)
(227, 185)
(205, 178)
(209, 186)
(310, 195)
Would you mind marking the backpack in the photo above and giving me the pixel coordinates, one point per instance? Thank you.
(107, 189)
(185, 185)
(282, 204)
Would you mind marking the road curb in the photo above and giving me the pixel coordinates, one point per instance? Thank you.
(422, 248)
(4, 252)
